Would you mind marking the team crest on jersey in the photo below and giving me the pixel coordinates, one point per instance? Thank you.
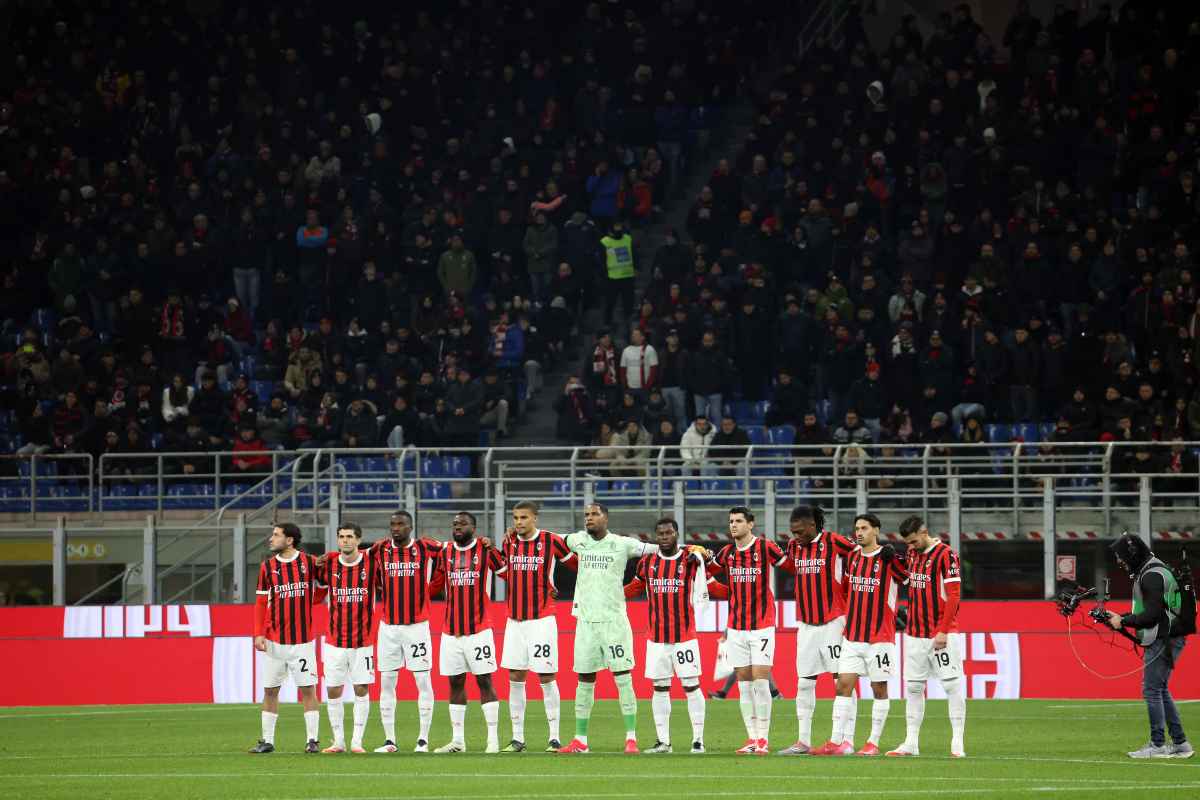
(363, 574)
(756, 555)
(475, 560)
(877, 566)
(539, 547)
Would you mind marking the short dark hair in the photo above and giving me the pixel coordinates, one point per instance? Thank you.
(468, 515)
(668, 521)
(810, 512)
(353, 527)
(870, 519)
(527, 505)
(745, 512)
(603, 508)
(293, 530)
(911, 525)
(402, 513)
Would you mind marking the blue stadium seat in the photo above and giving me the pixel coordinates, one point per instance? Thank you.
(456, 466)
(188, 496)
(263, 389)
(13, 499)
(782, 435)
(998, 432)
(757, 434)
(431, 467)
(1028, 431)
(747, 412)
(432, 490)
(1046, 429)
(117, 497)
(249, 364)
(378, 465)
(561, 487)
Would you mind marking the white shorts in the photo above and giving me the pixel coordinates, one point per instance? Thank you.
(405, 647)
(921, 660)
(475, 654)
(355, 663)
(876, 660)
(818, 647)
(531, 644)
(664, 660)
(298, 659)
(754, 648)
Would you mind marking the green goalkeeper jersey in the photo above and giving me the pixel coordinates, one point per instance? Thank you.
(600, 586)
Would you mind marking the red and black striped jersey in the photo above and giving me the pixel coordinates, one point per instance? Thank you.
(872, 590)
(404, 575)
(820, 569)
(289, 587)
(748, 572)
(668, 582)
(530, 573)
(469, 573)
(928, 573)
(351, 598)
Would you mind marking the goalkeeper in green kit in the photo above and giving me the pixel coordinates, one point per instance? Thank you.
(603, 636)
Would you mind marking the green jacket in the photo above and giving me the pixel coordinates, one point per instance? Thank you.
(456, 271)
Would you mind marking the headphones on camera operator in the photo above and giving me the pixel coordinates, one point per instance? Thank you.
(1178, 617)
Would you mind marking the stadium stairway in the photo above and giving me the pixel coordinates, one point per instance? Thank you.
(538, 425)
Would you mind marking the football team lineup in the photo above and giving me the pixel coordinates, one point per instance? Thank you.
(847, 606)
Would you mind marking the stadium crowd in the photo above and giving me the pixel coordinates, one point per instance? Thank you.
(917, 243)
(383, 229)
(346, 232)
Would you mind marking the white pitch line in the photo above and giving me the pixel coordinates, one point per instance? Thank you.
(801, 793)
(123, 712)
(1110, 704)
(1105, 783)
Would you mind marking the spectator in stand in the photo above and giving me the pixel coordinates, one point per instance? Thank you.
(495, 408)
(249, 452)
(673, 378)
(639, 366)
(694, 446)
(574, 412)
(631, 445)
(541, 253)
(732, 443)
(868, 400)
(359, 428)
(709, 373)
(176, 402)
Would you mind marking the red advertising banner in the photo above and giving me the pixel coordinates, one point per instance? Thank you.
(205, 654)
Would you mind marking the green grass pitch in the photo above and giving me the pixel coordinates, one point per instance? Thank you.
(1015, 749)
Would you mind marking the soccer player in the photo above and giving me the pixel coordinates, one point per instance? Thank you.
(603, 636)
(750, 641)
(407, 576)
(934, 583)
(467, 641)
(819, 558)
(352, 578)
(287, 587)
(531, 635)
(671, 580)
(873, 577)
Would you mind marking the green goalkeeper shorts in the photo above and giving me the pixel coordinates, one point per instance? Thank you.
(603, 645)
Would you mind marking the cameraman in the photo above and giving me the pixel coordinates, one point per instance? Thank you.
(1154, 620)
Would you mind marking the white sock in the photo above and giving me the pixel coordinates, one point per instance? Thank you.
(841, 710)
(269, 718)
(312, 724)
(491, 716)
(552, 700)
(746, 701)
(458, 721)
(696, 706)
(362, 710)
(337, 720)
(957, 699)
(879, 715)
(851, 719)
(660, 705)
(424, 702)
(806, 706)
(762, 706)
(914, 714)
(516, 709)
(387, 704)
